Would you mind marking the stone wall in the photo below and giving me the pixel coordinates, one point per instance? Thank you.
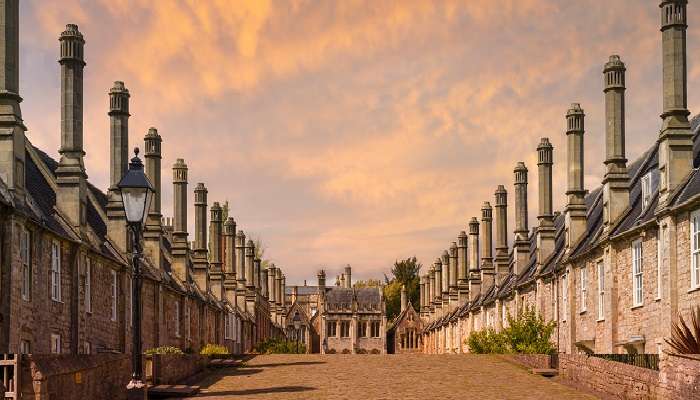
(609, 379)
(65, 377)
(538, 361)
(679, 377)
(170, 369)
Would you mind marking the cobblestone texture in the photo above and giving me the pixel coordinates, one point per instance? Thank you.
(369, 377)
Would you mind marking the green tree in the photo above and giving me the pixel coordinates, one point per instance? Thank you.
(405, 272)
(372, 283)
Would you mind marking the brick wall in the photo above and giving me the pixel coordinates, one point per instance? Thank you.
(66, 377)
(609, 379)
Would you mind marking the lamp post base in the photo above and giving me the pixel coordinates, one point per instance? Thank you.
(136, 390)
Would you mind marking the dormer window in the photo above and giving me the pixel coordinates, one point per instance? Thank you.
(646, 190)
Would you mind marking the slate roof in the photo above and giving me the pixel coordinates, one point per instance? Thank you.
(343, 298)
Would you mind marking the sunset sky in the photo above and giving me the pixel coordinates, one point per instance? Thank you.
(350, 131)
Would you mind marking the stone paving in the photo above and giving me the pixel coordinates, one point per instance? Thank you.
(370, 377)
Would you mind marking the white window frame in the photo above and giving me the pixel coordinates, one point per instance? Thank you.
(177, 318)
(332, 329)
(87, 347)
(584, 289)
(637, 273)
(601, 290)
(695, 250)
(55, 343)
(660, 261)
(378, 330)
(56, 271)
(565, 295)
(345, 329)
(646, 190)
(88, 285)
(26, 256)
(25, 347)
(114, 294)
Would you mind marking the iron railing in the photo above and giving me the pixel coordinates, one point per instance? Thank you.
(648, 361)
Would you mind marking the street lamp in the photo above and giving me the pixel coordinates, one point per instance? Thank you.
(136, 191)
(297, 326)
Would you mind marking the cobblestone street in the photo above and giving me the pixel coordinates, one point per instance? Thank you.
(370, 377)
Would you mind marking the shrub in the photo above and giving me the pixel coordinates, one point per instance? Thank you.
(685, 337)
(214, 350)
(346, 351)
(331, 351)
(528, 333)
(375, 351)
(279, 346)
(164, 350)
(361, 351)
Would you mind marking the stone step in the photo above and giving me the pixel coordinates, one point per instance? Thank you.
(546, 372)
(170, 391)
(223, 363)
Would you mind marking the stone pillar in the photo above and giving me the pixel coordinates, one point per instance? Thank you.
(487, 271)
(200, 264)
(12, 146)
(616, 180)
(348, 277)
(119, 163)
(521, 246)
(249, 268)
(404, 298)
(545, 230)
(501, 217)
(575, 211)
(71, 196)
(180, 247)
(474, 273)
(676, 138)
(153, 231)
(216, 271)
(230, 260)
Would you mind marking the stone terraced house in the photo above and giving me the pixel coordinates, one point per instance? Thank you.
(66, 276)
(339, 319)
(618, 264)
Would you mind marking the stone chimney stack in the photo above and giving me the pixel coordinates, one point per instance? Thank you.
(486, 231)
(240, 259)
(545, 230)
(119, 163)
(278, 287)
(230, 260)
(474, 273)
(422, 291)
(437, 299)
(200, 262)
(521, 245)
(216, 271)
(180, 247)
(676, 138)
(249, 268)
(348, 277)
(272, 283)
(575, 211)
(256, 273)
(342, 281)
(263, 282)
(501, 218)
(431, 287)
(445, 275)
(71, 196)
(453, 267)
(616, 197)
(283, 289)
(154, 229)
(321, 279)
(12, 163)
(404, 298)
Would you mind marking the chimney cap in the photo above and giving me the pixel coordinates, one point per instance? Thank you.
(180, 164)
(486, 206)
(500, 189)
(119, 88)
(462, 234)
(544, 144)
(249, 243)
(614, 64)
(72, 31)
(575, 109)
(474, 221)
(520, 166)
(200, 187)
(240, 234)
(438, 264)
(216, 206)
(230, 222)
(152, 133)
(454, 244)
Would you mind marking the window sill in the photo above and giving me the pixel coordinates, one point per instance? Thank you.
(657, 299)
(57, 301)
(634, 307)
(600, 320)
(582, 312)
(693, 289)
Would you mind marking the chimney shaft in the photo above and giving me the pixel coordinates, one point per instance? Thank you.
(200, 219)
(545, 231)
(180, 248)
(216, 228)
(676, 139)
(278, 287)
(154, 226)
(263, 282)
(521, 225)
(431, 287)
(616, 179)
(348, 277)
(501, 217)
(575, 212)
(272, 283)
(486, 245)
(230, 248)
(12, 141)
(462, 259)
(153, 142)
(256, 273)
(71, 196)
(474, 273)
(438, 281)
(404, 299)
(453, 266)
(249, 269)
(445, 273)
(422, 292)
(119, 134)
(321, 279)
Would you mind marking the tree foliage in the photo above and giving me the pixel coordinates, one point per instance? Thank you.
(369, 283)
(685, 337)
(405, 272)
(527, 333)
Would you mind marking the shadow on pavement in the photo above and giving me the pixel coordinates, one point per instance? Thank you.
(279, 389)
(286, 364)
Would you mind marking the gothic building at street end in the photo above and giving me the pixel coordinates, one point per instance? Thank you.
(66, 271)
(619, 263)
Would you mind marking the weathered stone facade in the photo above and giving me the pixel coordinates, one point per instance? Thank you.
(66, 281)
(618, 265)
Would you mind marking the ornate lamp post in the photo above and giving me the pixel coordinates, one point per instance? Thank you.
(297, 326)
(136, 191)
